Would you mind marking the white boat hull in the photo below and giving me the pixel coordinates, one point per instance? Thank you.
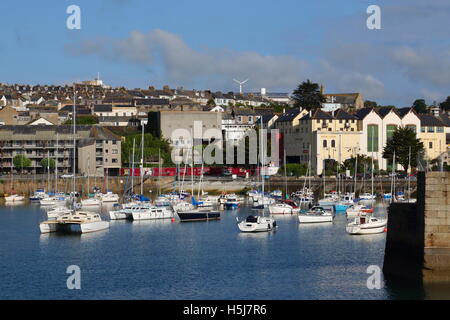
(280, 210)
(74, 227)
(305, 218)
(153, 215)
(264, 225)
(15, 198)
(358, 230)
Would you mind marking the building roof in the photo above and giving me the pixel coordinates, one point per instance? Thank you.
(445, 118)
(317, 114)
(343, 115)
(384, 111)
(103, 108)
(428, 120)
(363, 112)
(151, 102)
(289, 115)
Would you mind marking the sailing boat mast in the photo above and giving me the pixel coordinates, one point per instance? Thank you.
(409, 175)
(285, 175)
(132, 168)
(142, 161)
(262, 166)
(74, 147)
(56, 162)
(393, 178)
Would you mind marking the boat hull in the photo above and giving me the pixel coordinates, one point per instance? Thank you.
(187, 216)
(304, 218)
(152, 215)
(249, 227)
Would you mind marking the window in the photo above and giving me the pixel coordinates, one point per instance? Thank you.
(324, 143)
(390, 128)
(372, 138)
(430, 129)
(422, 129)
(430, 145)
(412, 127)
(333, 143)
(439, 129)
(114, 142)
(114, 160)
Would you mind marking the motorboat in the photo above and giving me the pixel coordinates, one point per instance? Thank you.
(164, 201)
(182, 206)
(387, 196)
(108, 197)
(52, 201)
(278, 194)
(358, 209)
(153, 213)
(280, 208)
(261, 202)
(366, 225)
(57, 212)
(232, 202)
(316, 214)
(75, 221)
(367, 196)
(91, 202)
(126, 213)
(257, 224)
(38, 195)
(14, 198)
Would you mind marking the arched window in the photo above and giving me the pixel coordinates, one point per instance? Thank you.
(372, 138)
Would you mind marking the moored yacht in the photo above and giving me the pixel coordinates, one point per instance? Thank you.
(75, 221)
(257, 224)
(108, 197)
(152, 213)
(366, 225)
(280, 208)
(14, 198)
(316, 214)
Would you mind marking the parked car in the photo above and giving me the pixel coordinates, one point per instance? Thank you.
(67, 176)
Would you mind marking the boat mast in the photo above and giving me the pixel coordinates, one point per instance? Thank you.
(142, 161)
(373, 168)
(262, 166)
(356, 171)
(48, 169)
(409, 175)
(56, 161)
(159, 171)
(393, 177)
(132, 168)
(74, 147)
(285, 175)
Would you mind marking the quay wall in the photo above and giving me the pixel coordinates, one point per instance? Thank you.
(418, 237)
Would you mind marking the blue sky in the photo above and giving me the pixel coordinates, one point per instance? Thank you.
(205, 44)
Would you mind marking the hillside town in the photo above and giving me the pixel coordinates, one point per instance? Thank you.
(35, 122)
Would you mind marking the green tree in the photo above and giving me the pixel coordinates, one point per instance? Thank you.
(308, 96)
(445, 105)
(420, 106)
(364, 163)
(370, 104)
(402, 141)
(45, 161)
(152, 147)
(294, 169)
(84, 120)
(20, 161)
(211, 103)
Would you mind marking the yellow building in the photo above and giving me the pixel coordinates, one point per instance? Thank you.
(325, 135)
(433, 136)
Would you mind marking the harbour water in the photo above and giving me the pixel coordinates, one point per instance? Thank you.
(196, 260)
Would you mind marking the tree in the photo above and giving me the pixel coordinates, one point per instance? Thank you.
(211, 103)
(44, 163)
(370, 104)
(152, 147)
(86, 120)
(294, 169)
(308, 96)
(20, 161)
(402, 141)
(445, 105)
(363, 162)
(420, 106)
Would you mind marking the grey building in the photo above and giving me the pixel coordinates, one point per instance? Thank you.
(56, 142)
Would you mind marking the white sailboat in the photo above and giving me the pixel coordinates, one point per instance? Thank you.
(316, 214)
(259, 223)
(75, 221)
(366, 225)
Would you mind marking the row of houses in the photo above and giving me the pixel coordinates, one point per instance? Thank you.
(318, 135)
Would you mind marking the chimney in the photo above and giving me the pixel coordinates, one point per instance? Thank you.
(321, 89)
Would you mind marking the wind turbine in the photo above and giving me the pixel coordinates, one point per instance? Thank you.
(241, 83)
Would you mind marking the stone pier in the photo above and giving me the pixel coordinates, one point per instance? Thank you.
(418, 238)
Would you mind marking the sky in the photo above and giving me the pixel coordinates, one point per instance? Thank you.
(201, 44)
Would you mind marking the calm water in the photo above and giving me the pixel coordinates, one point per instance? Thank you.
(202, 260)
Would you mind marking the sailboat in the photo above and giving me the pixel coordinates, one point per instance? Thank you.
(90, 201)
(14, 197)
(188, 213)
(76, 220)
(255, 223)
